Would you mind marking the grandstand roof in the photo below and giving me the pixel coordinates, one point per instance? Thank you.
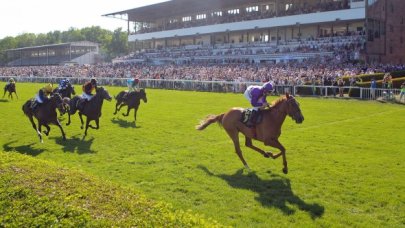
(78, 44)
(178, 7)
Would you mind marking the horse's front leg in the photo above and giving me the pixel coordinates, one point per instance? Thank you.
(248, 143)
(68, 123)
(35, 128)
(87, 126)
(97, 124)
(135, 111)
(5, 91)
(39, 130)
(81, 121)
(128, 109)
(117, 107)
(276, 144)
(16, 95)
(48, 129)
(61, 129)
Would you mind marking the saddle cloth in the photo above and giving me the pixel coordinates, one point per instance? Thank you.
(251, 117)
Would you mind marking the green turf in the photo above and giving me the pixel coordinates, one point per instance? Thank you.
(345, 161)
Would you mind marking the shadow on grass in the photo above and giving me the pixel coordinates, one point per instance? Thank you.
(4, 100)
(124, 123)
(76, 144)
(24, 149)
(275, 192)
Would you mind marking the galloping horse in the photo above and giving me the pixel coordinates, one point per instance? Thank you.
(66, 92)
(92, 108)
(132, 100)
(268, 131)
(10, 88)
(45, 114)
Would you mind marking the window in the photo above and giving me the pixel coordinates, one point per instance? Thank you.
(233, 11)
(188, 18)
(201, 16)
(218, 14)
(252, 9)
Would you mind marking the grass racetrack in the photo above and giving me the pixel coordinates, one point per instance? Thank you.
(346, 161)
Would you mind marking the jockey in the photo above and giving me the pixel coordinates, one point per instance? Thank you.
(62, 84)
(42, 96)
(88, 88)
(133, 85)
(256, 95)
(11, 81)
(93, 81)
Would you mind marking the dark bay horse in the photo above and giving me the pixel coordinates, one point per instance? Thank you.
(10, 88)
(132, 100)
(66, 92)
(268, 131)
(91, 109)
(45, 114)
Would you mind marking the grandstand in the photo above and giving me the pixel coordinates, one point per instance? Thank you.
(80, 53)
(251, 31)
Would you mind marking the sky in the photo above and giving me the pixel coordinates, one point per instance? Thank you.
(43, 16)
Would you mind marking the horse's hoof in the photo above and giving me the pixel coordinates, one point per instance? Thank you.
(266, 155)
(81, 127)
(285, 170)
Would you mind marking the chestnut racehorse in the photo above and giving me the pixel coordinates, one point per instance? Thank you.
(268, 131)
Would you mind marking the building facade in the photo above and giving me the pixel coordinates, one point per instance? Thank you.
(385, 31)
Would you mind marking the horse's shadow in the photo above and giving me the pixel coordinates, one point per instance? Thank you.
(124, 123)
(24, 149)
(275, 192)
(76, 144)
(4, 100)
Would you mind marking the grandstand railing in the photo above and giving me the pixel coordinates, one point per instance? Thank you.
(227, 87)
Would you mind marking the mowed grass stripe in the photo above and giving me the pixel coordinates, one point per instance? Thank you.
(345, 160)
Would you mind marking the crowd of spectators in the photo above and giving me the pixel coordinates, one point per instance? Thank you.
(346, 45)
(291, 73)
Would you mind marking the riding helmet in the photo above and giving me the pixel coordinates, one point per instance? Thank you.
(267, 87)
(48, 88)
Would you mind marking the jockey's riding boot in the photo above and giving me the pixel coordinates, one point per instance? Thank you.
(34, 105)
(253, 117)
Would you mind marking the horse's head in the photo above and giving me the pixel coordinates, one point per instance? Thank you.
(293, 109)
(103, 93)
(143, 95)
(58, 101)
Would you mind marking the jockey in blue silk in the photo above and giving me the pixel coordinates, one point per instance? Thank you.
(133, 84)
(256, 95)
(62, 84)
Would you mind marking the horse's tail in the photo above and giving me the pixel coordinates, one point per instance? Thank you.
(209, 120)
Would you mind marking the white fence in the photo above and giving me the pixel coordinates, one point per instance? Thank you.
(229, 87)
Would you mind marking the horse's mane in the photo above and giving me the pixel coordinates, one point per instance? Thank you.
(278, 101)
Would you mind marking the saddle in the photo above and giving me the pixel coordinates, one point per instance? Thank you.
(251, 117)
(126, 95)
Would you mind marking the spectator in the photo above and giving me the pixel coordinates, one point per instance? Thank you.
(373, 87)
